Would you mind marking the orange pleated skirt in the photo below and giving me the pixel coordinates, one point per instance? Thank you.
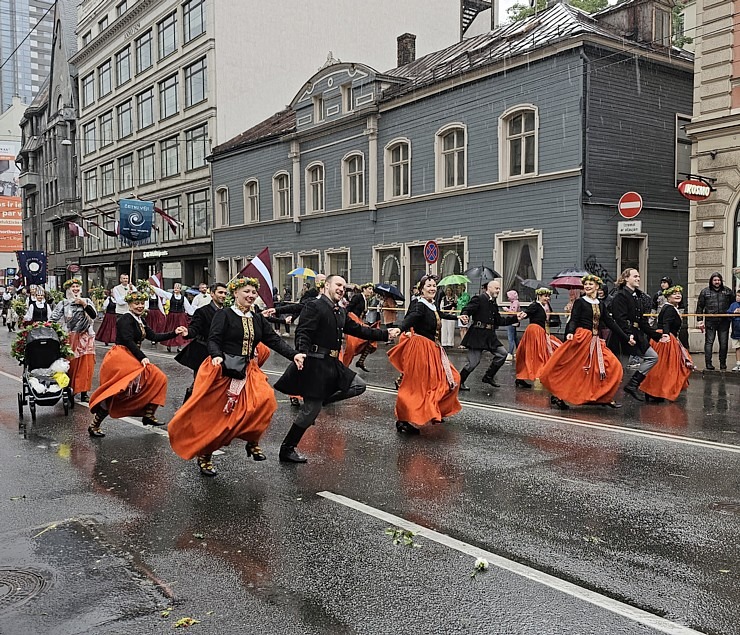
(532, 353)
(354, 345)
(201, 426)
(572, 373)
(82, 366)
(425, 395)
(118, 370)
(671, 374)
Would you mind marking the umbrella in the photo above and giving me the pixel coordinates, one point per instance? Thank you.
(482, 272)
(567, 282)
(454, 279)
(302, 272)
(390, 290)
(531, 283)
(572, 272)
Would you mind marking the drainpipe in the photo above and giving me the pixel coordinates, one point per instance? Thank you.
(372, 169)
(584, 140)
(295, 156)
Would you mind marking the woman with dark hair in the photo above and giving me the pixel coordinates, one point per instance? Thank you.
(670, 375)
(107, 331)
(231, 397)
(583, 370)
(428, 392)
(537, 345)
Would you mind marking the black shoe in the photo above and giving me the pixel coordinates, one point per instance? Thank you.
(404, 427)
(206, 466)
(362, 367)
(152, 421)
(723, 366)
(255, 451)
(95, 431)
(169, 349)
(490, 381)
(520, 383)
(463, 387)
(709, 367)
(84, 397)
(633, 385)
(649, 398)
(295, 402)
(397, 383)
(289, 455)
(559, 403)
(613, 404)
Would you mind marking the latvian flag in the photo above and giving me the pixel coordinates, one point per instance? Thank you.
(260, 267)
(76, 230)
(156, 282)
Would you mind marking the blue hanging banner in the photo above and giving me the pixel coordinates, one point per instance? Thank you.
(136, 221)
(32, 265)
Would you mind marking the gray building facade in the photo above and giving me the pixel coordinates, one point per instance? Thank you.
(510, 148)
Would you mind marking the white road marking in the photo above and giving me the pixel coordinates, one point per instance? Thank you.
(614, 606)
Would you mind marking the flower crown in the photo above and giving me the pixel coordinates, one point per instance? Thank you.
(68, 283)
(137, 296)
(676, 288)
(242, 282)
(592, 278)
(543, 291)
(367, 285)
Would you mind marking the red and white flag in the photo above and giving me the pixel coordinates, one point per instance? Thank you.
(170, 220)
(260, 267)
(156, 280)
(76, 230)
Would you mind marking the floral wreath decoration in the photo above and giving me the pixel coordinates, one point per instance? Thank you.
(543, 291)
(242, 282)
(367, 285)
(592, 278)
(18, 349)
(136, 296)
(68, 283)
(676, 288)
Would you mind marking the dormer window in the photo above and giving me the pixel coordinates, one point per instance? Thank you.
(319, 109)
(346, 91)
(662, 31)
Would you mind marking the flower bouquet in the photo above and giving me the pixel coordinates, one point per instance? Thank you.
(19, 306)
(18, 349)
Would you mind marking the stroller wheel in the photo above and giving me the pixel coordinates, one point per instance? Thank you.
(20, 405)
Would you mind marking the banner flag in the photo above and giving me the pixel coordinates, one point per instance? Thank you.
(136, 221)
(33, 266)
(260, 267)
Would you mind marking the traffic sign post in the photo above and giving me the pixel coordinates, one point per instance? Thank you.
(431, 252)
(630, 204)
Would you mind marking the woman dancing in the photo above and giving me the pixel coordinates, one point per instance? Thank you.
(537, 345)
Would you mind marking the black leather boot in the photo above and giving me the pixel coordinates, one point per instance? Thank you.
(488, 379)
(633, 385)
(288, 453)
(464, 374)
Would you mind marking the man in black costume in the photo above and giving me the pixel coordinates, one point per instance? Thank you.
(483, 320)
(324, 379)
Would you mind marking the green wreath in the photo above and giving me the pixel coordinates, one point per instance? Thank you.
(18, 348)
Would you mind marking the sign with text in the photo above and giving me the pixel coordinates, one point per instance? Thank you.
(136, 220)
(694, 190)
(626, 227)
(11, 213)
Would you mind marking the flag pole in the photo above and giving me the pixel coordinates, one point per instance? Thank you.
(131, 266)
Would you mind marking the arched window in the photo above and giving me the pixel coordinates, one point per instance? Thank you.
(397, 169)
(353, 180)
(451, 145)
(251, 201)
(281, 195)
(315, 188)
(518, 142)
(222, 207)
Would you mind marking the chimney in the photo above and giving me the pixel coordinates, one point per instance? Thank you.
(406, 49)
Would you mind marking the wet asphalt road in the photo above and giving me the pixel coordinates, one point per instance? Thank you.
(639, 505)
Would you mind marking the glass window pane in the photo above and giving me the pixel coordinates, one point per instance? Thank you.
(529, 154)
(515, 157)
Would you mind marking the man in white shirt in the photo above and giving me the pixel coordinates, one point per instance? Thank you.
(203, 298)
(118, 294)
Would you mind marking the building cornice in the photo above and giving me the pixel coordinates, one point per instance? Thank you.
(714, 126)
(119, 26)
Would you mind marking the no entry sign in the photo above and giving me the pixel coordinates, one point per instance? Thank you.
(431, 252)
(630, 204)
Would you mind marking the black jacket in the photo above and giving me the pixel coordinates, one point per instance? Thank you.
(485, 318)
(131, 334)
(669, 320)
(227, 336)
(582, 317)
(196, 351)
(627, 310)
(320, 330)
(536, 314)
(713, 300)
(358, 305)
(424, 321)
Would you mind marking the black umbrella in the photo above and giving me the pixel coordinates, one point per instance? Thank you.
(572, 272)
(390, 290)
(482, 272)
(531, 283)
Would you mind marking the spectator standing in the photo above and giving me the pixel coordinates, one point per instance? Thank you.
(735, 330)
(715, 299)
(514, 307)
(448, 303)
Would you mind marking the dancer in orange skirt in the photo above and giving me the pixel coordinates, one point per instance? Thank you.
(130, 385)
(430, 385)
(357, 311)
(536, 345)
(583, 370)
(231, 397)
(76, 315)
(671, 374)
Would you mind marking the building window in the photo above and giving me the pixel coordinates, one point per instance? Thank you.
(107, 178)
(662, 29)
(88, 89)
(145, 108)
(86, 38)
(281, 195)
(518, 132)
(198, 214)
(683, 148)
(222, 202)
(319, 109)
(450, 146)
(315, 188)
(398, 169)
(167, 32)
(106, 129)
(121, 8)
(105, 83)
(171, 207)
(103, 24)
(195, 147)
(123, 66)
(251, 201)
(195, 82)
(353, 180)
(168, 97)
(193, 18)
(283, 266)
(91, 185)
(169, 156)
(346, 93)
(146, 165)
(125, 119)
(126, 172)
(337, 263)
(88, 138)
(518, 258)
(144, 51)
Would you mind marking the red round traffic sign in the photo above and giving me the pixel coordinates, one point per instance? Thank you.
(630, 204)
(431, 252)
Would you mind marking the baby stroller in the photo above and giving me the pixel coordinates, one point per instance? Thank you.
(39, 387)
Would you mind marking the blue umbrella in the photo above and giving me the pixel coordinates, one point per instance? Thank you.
(390, 290)
(302, 272)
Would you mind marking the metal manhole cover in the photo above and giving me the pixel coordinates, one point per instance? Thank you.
(18, 586)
